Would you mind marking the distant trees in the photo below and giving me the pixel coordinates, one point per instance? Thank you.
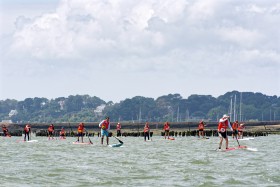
(171, 107)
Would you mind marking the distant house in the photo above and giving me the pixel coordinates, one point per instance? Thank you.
(99, 109)
(6, 121)
(12, 113)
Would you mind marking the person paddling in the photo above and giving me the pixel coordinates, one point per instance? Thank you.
(166, 129)
(104, 125)
(62, 133)
(51, 131)
(146, 131)
(235, 127)
(81, 129)
(241, 130)
(222, 129)
(5, 131)
(27, 131)
(201, 126)
(119, 129)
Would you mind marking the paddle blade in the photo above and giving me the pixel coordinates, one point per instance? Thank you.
(119, 140)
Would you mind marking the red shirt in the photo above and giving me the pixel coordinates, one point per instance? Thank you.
(166, 126)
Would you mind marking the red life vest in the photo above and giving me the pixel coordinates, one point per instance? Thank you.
(26, 128)
(81, 127)
(105, 125)
(166, 126)
(50, 129)
(223, 126)
(201, 126)
(62, 132)
(119, 127)
(235, 126)
(241, 128)
(4, 129)
(146, 128)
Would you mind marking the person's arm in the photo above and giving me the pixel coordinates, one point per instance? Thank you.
(109, 125)
(101, 123)
(229, 125)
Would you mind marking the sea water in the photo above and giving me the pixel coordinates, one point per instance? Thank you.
(185, 161)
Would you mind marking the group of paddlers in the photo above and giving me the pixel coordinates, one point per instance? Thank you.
(104, 125)
(27, 130)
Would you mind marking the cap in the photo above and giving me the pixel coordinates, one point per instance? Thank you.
(225, 116)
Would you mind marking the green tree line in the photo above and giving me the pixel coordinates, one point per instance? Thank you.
(242, 106)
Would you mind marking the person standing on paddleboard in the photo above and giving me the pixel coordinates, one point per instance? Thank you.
(119, 129)
(146, 131)
(27, 131)
(105, 127)
(81, 129)
(224, 123)
(240, 130)
(235, 127)
(51, 131)
(62, 133)
(5, 131)
(166, 129)
(201, 126)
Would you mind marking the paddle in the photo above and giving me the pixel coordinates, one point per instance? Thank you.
(237, 140)
(71, 134)
(118, 139)
(88, 137)
(29, 133)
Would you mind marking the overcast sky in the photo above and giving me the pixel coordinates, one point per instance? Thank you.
(118, 49)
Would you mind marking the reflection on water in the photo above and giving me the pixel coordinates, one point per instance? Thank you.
(187, 161)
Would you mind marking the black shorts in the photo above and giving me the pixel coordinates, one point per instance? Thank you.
(235, 132)
(167, 131)
(80, 134)
(50, 133)
(200, 130)
(223, 134)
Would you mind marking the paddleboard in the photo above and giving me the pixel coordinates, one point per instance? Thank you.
(245, 139)
(29, 141)
(80, 143)
(8, 136)
(206, 138)
(235, 148)
(116, 145)
(171, 138)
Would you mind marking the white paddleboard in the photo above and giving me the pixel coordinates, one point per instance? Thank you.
(244, 139)
(82, 143)
(32, 141)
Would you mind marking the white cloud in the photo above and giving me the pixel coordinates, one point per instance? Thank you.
(170, 42)
(241, 36)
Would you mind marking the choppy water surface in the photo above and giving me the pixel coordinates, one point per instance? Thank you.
(186, 161)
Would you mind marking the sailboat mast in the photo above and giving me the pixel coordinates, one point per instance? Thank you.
(230, 109)
(178, 114)
(234, 108)
(240, 107)
(140, 115)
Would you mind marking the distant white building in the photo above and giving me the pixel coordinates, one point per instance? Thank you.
(99, 109)
(7, 121)
(13, 113)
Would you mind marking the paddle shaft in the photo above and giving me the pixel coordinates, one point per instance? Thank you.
(88, 137)
(118, 139)
(237, 140)
(70, 128)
